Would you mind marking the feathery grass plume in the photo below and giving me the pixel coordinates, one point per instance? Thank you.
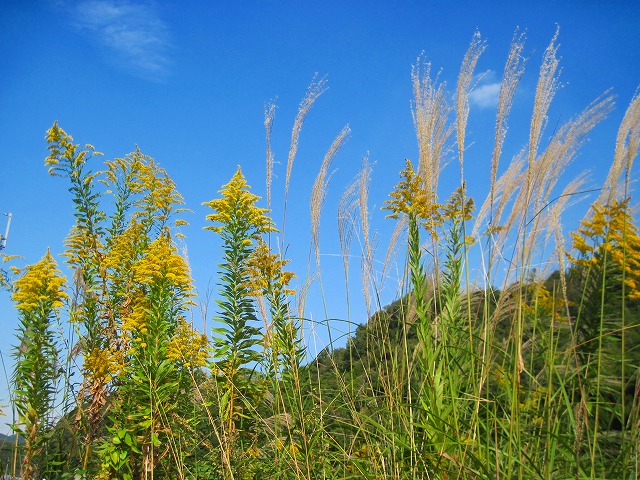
(502, 191)
(627, 145)
(394, 244)
(508, 188)
(545, 91)
(431, 111)
(564, 146)
(513, 70)
(469, 62)
(314, 90)
(347, 207)
(548, 84)
(319, 190)
(269, 115)
(364, 179)
(549, 166)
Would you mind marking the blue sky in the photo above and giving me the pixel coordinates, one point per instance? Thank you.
(187, 82)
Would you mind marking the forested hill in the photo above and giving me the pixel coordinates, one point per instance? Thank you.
(382, 352)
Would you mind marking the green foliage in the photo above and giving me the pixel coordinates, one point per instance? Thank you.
(536, 379)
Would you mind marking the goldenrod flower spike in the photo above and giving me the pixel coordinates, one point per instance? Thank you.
(611, 230)
(162, 263)
(187, 346)
(411, 198)
(40, 287)
(238, 206)
(266, 272)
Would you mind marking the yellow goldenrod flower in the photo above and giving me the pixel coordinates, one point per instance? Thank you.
(410, 197)
(41, 286)
(101, 365)
(162, 262)
(80, 246)
(238, 206)
(611, 231)
(459, 207)
(545, 304)
(160, 266)
(161, 196)
(187, 346)
(266, 272)
(124, 251)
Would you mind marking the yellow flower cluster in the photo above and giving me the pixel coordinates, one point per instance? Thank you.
(62, 148)
(101, 365)
(611, 230)
(79, 246)
(162, 196)
(160, 265)
(266, 272)
(162, 262)
(122, 254)
(411, 198)
(459, 207)
(41, 286)
(187, 346)
(545, 304)
(237, 206)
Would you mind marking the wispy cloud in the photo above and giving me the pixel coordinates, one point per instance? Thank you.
(133, 33)
(485, 93)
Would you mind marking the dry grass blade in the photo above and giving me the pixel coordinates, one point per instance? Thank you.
(319, 190)
(555, 212)
(303, 291)
(394, 243)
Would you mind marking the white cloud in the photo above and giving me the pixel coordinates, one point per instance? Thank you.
(486, 90)
(485, 96)
(132, 32)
